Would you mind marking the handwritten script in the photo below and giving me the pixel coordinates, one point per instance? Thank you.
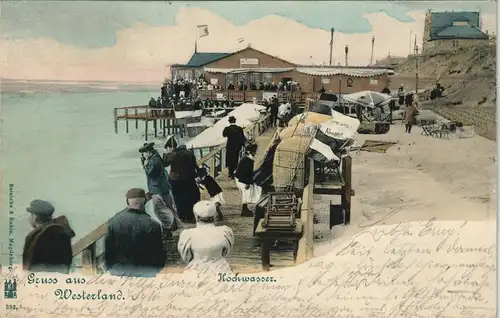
(426, 269)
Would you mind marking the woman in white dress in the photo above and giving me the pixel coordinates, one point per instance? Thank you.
(250, 192)
(204, 247)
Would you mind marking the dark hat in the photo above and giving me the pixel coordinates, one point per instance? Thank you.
(40, 207)
(147, 147)
(135, 193)
(232, 119)
(171, 142)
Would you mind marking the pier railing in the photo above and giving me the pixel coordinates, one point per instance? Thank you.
(87, 246)
(214, 160)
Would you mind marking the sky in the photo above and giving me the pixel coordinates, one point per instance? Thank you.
(136, 41)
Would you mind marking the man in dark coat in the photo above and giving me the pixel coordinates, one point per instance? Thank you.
(155, 172)
(48, 247)
(182, 176)
(235, 141)
(386, 90)
(409, 99)
(401, 95)
(274, 109)
(133, 245)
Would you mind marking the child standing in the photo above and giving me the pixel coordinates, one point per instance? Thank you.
(214, 190)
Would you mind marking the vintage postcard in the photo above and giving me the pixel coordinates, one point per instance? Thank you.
(248, 159)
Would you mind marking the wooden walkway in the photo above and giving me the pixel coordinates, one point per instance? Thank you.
(246, 256)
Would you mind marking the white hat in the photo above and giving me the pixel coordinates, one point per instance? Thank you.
(205, 209)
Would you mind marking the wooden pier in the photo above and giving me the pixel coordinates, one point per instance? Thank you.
(247, 256)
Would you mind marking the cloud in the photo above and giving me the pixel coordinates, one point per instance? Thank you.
(142, 51)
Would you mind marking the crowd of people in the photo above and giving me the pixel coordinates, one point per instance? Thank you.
(290, 86)
(135, 241)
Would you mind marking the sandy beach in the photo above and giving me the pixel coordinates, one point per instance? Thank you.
(417, 179)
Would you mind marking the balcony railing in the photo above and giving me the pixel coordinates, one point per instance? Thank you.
(248, 96)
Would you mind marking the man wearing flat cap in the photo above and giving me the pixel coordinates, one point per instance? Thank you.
(235, 141)
(47, 247)
(133, 245)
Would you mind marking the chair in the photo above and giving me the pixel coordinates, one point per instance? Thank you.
(443, 131)
(428, 128)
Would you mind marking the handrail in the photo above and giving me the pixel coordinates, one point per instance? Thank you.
(90, 239)
(87, 244)
(132, 107)
(305, 250)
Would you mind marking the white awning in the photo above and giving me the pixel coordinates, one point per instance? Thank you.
(353, 72)
(248, 70)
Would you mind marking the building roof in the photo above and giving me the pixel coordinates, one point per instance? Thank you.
(353, 72)
(461, 32)
(442, 26)
(200, 59)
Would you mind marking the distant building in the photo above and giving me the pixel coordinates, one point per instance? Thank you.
(250, 65)
(452, 30)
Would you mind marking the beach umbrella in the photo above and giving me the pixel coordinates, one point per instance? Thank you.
(368, 98)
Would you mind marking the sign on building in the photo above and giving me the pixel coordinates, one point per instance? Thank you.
(373, 81)
(325, 80)
(349, 82)
(249, 61)
(214, 81)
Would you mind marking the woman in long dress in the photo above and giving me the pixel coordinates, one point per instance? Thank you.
(250, 192)
(204, 247)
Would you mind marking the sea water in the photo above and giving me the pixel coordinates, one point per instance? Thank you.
(61, 147)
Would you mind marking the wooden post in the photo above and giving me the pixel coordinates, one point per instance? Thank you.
(346, 188)
(168, 126)
(136, 119)
(212, 166)
(89, 260)
(305, 250)
(126, 120)
(222, 159)
(156, 128)
(146, 130)
(164, 133)
(115, 113)
(266, 259)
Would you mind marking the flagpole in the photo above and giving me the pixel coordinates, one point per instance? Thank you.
(196, 41)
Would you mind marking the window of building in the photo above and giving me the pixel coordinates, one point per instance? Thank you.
(256, 78)
(267, 78)
(230, 79)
